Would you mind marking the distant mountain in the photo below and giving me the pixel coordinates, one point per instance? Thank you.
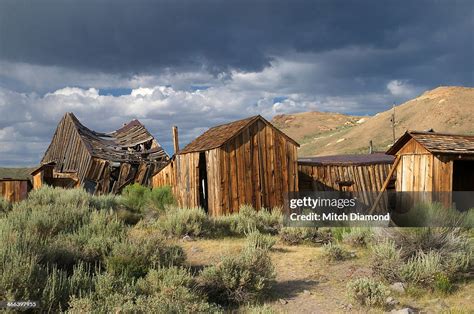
(444, 109)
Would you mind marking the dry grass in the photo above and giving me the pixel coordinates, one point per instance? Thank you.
(307, 282)
(445, 109)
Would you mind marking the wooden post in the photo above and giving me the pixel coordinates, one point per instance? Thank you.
(175, 139)
(371, 147)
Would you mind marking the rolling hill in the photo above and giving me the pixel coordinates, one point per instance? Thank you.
(444, 109)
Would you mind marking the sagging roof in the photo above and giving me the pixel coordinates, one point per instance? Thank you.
(437, 143)
(219, 135)
(132, 142)
(347, 160)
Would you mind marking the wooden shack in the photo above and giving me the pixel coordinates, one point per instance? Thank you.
(243, 162)
(364, 173)
(99, 162)
(434, 163)
(14, 190)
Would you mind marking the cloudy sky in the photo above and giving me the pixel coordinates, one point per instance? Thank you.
(200, 63)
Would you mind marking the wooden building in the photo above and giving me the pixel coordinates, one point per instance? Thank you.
(434, 163)
(100, 162)
(14, 190)
(243, 162)
(353, 173)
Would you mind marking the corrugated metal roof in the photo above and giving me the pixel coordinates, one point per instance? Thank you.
(354, 159)
(219, 135)
(438, 143)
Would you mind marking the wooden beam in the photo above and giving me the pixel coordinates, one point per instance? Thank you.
(385, 184)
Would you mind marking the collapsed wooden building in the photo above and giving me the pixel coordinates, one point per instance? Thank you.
(430, 166)
(243, 162)
(363, 173)
(100, 162)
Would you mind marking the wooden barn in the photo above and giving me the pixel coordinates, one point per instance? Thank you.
(14, 190)
(433, 162)
(100, 162)
(365, 173)
(243, 162)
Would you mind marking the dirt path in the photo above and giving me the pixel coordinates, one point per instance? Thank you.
(306, 283)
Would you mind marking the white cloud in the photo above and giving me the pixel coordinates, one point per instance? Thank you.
(403, 89)
(28, 120)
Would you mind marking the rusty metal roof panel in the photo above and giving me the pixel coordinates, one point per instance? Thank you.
(346, 160)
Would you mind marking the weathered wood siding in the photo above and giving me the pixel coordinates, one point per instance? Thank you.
(68, 151)
(258, 166)
(14, 190)
(367, 179)
(421, 171)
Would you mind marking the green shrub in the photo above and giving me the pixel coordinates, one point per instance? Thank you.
(386, 260)
(443, 284)
(171, 290)
(238, 279)
(422, 268)
(161, 197)
(163, 290)
(454, 247)
(21, 276)
(89, 243)
(434, 214)
(338, 232)
(47, 220)
(4, 205)
(178, 222)
(135, 197)
(248, 219)
(308, 235)
(358, 237)
(335, 252)
(110, 292)
(133, 258)
(443, 240)
(59, 287)
(106, 201)
(257, 240)
(54, 195)
(368, 292)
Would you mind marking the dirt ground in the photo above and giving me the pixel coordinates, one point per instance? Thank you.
(306, 283)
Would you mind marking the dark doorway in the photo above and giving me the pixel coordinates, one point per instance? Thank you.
(463, 184)
(203, 181)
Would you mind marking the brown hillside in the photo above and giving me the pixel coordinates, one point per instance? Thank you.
(444, 109)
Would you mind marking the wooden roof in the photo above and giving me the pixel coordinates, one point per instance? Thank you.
(219, 135)
(120, 145)
(345, 160)
(437, 143)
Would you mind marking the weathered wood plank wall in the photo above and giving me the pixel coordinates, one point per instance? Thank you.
(258, 166)
(421, 171)
(68, 151)
(367, 179)
(14, 190)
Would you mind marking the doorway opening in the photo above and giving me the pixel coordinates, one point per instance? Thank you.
(203, 198)
(463, 184)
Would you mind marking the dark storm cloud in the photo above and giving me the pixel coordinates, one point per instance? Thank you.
(142, 36)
